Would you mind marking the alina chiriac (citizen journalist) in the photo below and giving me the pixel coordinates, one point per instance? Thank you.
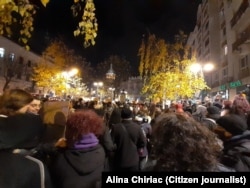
(175, 179)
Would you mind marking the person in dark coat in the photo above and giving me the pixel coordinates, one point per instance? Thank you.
(80, 163)
(128, 138)
(20, 134)
(106, 140)
(236, 152)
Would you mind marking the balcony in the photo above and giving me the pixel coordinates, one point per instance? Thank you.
(243, 73)
(241, 39)
(244, 5)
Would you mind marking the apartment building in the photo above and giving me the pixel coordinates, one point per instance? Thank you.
(222, 37)
(21, 62)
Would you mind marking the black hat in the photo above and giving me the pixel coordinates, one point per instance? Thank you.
(213, 110)
(126, 113)
(233, 123)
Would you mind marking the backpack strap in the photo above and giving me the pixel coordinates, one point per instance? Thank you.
(209, 119)
(41, 167)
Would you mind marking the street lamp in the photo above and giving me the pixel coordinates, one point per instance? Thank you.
(70, 78)
(70, 73)
(198, 68)
(73, 72)
(201, 69)
(98, 84)
(195, 68)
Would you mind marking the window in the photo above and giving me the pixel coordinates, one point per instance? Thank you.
(29, 64)
(225, 50)
(244, 62)
(216, 76)
(206, 26)
(27, 77)
(1, 52)
(11, 57)
(207, 42)
(229, 2)
(224, 72)
(19, 75)
(222, 13)
(20, 60)
(224, 31)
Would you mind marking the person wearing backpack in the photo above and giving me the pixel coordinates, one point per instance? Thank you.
(20, 135)
(129, 139)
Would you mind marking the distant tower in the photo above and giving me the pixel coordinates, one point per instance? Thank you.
(110, 75)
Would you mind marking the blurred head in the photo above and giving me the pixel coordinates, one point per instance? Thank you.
(15, 101)
(115, 117)
(227, 104)
(81, 123)
(233, 123)
(213, 112)
(35, 106)
(126, 113)
(188, 145)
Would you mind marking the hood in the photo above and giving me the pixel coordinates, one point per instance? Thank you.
(22, 131)
(86, 161)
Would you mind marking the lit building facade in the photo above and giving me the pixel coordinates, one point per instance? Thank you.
(222, 37)
(133, 87)
(22, 60)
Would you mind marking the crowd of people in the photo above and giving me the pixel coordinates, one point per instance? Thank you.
(114, 137)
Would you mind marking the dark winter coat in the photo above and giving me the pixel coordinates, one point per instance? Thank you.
(78, 168)
(128, 139)
(19, 136)
(237, 152)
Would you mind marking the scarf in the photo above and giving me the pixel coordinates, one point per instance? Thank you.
(87, 141)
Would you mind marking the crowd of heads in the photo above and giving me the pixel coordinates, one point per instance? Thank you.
(182, 137)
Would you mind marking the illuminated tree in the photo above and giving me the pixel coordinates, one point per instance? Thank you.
(18, 15)
(49, 77)
(48, 73)
(165, 69)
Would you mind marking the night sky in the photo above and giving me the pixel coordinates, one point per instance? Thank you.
(122, 24)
